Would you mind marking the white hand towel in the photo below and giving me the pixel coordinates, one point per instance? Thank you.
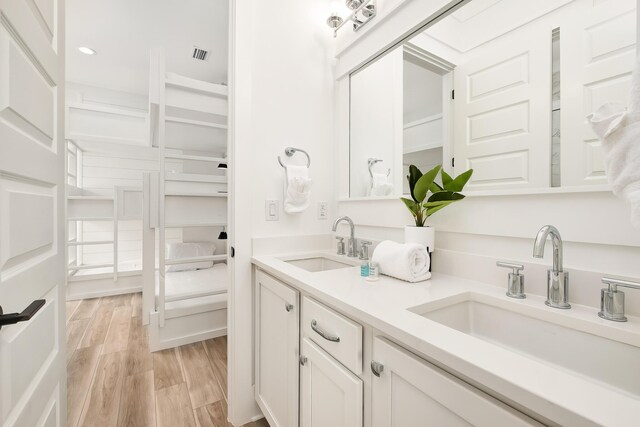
(405, 261)
(380, 185)
(619, 131)
(297, 189)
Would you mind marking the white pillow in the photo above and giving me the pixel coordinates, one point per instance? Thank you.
(189, 250)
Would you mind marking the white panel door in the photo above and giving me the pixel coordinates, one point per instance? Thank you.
(412, 392)
(330, 394)
(502, 117)
(277, 350)
(32, 152)
(597, 55)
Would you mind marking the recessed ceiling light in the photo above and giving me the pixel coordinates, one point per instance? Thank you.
(87, 50)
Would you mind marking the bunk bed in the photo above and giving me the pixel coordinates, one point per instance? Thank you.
(188, 124)
(86, 277)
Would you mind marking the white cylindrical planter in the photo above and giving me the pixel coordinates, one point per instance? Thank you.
(423, 235)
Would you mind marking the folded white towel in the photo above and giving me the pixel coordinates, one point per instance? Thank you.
(619, 130)
(405, 261)
(380, 185)
(297, 189)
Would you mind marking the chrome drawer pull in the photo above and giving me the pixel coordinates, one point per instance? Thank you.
(288, 306)
(322, 333)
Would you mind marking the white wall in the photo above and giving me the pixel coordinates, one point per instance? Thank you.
(282, 92)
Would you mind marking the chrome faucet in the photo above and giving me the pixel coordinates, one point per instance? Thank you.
(351, 251)
(557, 279)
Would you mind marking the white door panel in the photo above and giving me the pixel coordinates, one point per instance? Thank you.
(411, 391)
(501, 111)
(597, 55)
(330, 394)
(32, 368)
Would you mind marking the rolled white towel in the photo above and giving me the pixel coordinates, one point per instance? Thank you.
(405, 261)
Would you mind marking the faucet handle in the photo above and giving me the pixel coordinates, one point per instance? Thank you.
(612, 300)
(340, 250)
(515, 284)
(364, 249)
(517, 268)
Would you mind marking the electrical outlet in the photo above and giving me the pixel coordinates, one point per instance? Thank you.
(323, 210)
(271, 208)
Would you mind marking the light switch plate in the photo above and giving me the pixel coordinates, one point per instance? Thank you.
(271, 208)
(323, 210)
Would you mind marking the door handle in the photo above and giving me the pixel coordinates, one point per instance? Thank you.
(27, 314)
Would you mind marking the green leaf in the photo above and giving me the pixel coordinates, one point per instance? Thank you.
(411, 205)
(431, 211)
(424, 184)
(445, 196)
(440, 200)
(446, 179)
(435, 187)
(458, 183)
(413, 177)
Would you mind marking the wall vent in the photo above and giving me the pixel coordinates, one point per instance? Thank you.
(200, 54)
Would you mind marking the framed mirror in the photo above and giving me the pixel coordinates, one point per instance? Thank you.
(500, 86)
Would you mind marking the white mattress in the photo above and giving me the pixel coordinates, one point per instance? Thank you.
(184, 283)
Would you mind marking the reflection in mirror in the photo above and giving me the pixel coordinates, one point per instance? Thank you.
(525, 74)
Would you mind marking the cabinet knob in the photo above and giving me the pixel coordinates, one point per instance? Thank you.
(303, 360)
(288, 306)
(376, 368)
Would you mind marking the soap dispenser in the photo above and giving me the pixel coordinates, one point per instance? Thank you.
(364, 257)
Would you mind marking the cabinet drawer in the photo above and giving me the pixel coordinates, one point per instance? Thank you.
(337, 335)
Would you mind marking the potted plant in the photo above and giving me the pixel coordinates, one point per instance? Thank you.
(422, 207)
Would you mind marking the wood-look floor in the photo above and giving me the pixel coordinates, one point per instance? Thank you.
(114, 380)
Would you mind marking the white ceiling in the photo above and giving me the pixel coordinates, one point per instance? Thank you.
(122, 32)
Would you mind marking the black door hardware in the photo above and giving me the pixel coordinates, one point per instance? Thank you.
(27, 314)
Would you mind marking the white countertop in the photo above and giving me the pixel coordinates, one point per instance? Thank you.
(562, 396)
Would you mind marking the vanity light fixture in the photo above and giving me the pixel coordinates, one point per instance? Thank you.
(362, 11)
(87, 50)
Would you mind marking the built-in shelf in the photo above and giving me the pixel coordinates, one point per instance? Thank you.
(194, 194)
(85, 218)
(96, 242)
(196, 158)
(191, 224)
(192, 177)
(88, 266)
(90, 198)
(172, 79)
(191, 260)
(195, 122)
(195, 294)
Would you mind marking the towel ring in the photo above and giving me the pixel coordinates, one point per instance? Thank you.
(371, 162)
(290, 151)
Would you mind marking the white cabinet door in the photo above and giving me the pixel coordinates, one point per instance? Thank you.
(502, 118)
(412, 392)
(597, 55)
(277, 351)
(330, 395)
(32, 231)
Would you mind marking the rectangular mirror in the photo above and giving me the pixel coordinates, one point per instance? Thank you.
(500, 86)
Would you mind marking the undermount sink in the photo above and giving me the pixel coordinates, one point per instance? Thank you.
(539, 335)
(318, 264)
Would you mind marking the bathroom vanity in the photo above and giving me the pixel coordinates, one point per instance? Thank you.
(332, 349)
